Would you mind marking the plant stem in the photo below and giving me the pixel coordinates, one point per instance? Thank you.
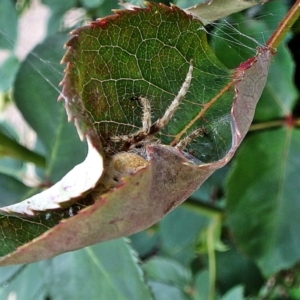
(9, 147)
(297, 122)
(272, 124)
(212, 257)
(266, 125)
(203, 208)
(284, 26)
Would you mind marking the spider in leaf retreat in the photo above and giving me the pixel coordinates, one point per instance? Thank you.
(145, 135)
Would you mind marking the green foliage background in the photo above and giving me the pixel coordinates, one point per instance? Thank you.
(237, 237)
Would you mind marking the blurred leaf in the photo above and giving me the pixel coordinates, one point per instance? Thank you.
(8, 71)
(58, 10)
(8, 25)
(182, 3)
(12, 167)
(165, 291)
(210, 191)
(236, 293)
(167, 279)
(234, 269)
(55, 22)
(233, 43)
(90, 4)
(262, 195)
(294, 293)
(104, 276)
(111, 268)
(201, 285)
(210, 11)
(279, 96)
(206, 11)
(23, 285)
(12, 190)
(41, 72)
(145, 242)
(59, 6)
(236, 37)
(180, 245)
(9, 273)
(105, 8)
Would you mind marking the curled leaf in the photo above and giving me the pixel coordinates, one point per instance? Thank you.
(147, 86)
(67, 190)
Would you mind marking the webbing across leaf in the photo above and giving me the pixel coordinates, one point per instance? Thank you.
(147, 53)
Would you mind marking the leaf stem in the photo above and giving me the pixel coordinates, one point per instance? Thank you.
(297, 122)
(284, 26)
(203, 208)
(272, 124)
(266, 125)
(9, 147)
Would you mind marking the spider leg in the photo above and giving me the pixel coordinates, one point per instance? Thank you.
(146, 119)
(138, 137)
(181, 145)
(145, 134)
(119, 138)
(160, 123)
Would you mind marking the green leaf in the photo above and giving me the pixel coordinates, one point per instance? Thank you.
(165, 291)
(234, 43)
(99, 8)
(231, 48)
(262, 195)
(210, 11)
(8, 25)
(279, 96)
(12, 167)
(167, 279)
(8, 71)
(104, 276)
(59, 6)
(145, 242)
(128, 68)
(58, 10)
(107, 266)
(12, 190)
(202, 285)
(234, 269)
(180, 245)
(41, 71)
(23, 284)
(236, 293)
(90, 4)
(206, 11)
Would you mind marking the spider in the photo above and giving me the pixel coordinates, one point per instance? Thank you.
(145, 135)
